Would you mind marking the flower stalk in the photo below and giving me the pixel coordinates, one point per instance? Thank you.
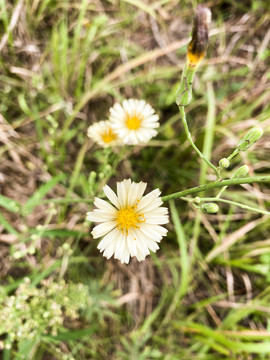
(215, 185)
(202, 156)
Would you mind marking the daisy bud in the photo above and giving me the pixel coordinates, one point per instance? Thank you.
(224, 163)
(210, 208)
(197, 200)
(250, 138)
(92, 177)
(241, 172)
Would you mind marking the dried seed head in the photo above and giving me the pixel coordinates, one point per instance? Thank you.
(199, 41)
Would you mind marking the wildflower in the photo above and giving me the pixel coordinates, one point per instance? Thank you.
(132, 224)
(102, 133)
(134, 121)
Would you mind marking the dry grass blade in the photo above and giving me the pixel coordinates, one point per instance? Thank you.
(14, 19)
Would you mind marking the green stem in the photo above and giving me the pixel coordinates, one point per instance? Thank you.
(90, 200)
(243, 206)
(116, 162)
(236, 151)
(217, 184)
(183, 116)
(221, 191)
(209, 131)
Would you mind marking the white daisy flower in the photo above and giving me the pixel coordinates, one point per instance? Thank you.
(131, 226)
(134, 121)
(102, 133)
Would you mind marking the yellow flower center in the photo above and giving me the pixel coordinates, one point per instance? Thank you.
(128, 218)
(133, 121)
(108, 136)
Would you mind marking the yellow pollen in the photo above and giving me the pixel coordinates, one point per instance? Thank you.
(133, 121)
(108, 136)
(127, 218)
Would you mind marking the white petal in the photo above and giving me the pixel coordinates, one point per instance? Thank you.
(141, 245)
(99, 216)
(134, 193)
(151, 244)
(157, 211)
(151, 206)
(151, 119)
(111, 195)
(103, 228)
(108, 239)
(131, 243)
(109, 251)
(104, 205)
(120, 247)
(156, 232)
(160, 219)
(141, 190)
(148, 199)
(125, 256)
(122, 188)
(140, 256)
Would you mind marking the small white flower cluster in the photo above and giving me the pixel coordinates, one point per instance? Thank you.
(132, 123)
(35, 311)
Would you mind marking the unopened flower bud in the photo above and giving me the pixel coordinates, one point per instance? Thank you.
(210, 208)
(224, 163)
(241, 172)
(250, 138)
(92, 177)
(197, 200)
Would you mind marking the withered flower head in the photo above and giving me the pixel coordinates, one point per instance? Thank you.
(199, 41)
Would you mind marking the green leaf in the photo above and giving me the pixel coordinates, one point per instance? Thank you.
(9, 204)
(35, 199)
(72, 335)
(7, 225)
(27, 349)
